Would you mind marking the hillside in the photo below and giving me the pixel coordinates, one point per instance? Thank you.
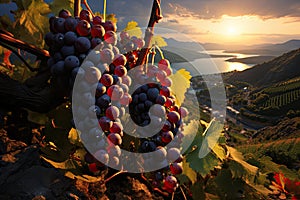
(282, 68)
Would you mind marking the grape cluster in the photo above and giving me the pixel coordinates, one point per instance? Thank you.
(111, 69)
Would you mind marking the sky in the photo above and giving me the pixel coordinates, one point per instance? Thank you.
(216, 21)
(212, 21)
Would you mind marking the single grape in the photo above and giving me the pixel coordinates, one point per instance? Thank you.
(126, 99)
(59, 25)
(82, 44)
(170, 184)
(167, 82)
(167, 137)
(110, 37)
(92, 75)
(109, 26)
(114, 150)
(100, 90)
(158, 110)
(152, 94)
(102, 156)
(173, 116)
(168, 126)
(97, 43)
(148, 146)
(173, 154)
(114, 162)
(93, 168)
(97, 31)
(85, 15)
(160, 154)
(142, 97)
(107, 80)
(83, 28)
(116, 128)
(59, 40)
(169, 71)
(64, 13)
(112, 112)
(70, 24)
(97, 20)
(160, 100)
(124, 35)
(49, 38)
(126, 80)
(115, 92)
(120, 71)
(106, 55)
(58, 57)
(58, 68)
(169, 102)
(114, 138)
(71, 62)
(104, 101)
(119, 59)
(67, 50)
(70, 38)
(176, 168)
(163, 64)
(161, 75)
(105, 123)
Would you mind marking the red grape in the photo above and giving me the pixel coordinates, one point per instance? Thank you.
(97, 31)
(176, 168)
(105, 123)
(163, 64)
(114, 138)
(64, 13)
(112, 112)
(83, 28)
(85, 15)
(173, 116)
(167, 137)
(120, 71)
(97, 20)
(119, 59)
(107, 80)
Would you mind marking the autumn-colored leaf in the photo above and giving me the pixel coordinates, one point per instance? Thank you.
(133, 29)
(181, 82)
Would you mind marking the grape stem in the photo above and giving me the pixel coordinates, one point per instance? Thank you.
(154, 18)
(77, 4)
(10, 40)
(104, 10)
(85, 3)
(184, 196)
(114, 175)
(19, 56)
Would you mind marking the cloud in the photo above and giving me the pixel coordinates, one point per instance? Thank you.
(207, 9)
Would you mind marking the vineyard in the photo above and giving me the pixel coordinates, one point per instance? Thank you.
(93, 112)
(283, 99)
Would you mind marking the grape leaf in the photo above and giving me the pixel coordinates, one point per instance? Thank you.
(238, 158)
(133, 29)
(67, 164)
(198, 190)
(204, 165)
(212, 134)
(189, 172)
(58, 5)
(31, 20)
(74, 137)
(159, 41)
(84, 177)
(181, 82)
(192, 136)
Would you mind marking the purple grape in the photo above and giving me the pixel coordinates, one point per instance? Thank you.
(58, 68)
(70, 24)
(58, 57)
(59, 40)
(70, 38)
(152, 94)
(49, 39)
(59, 25)
(82, 44)
(142, 97)
(100, 90)
(67, 51)
(104, 101)
(71, 62)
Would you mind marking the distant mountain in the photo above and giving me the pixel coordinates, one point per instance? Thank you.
(268, 49)
(260, 49)
(282, 68)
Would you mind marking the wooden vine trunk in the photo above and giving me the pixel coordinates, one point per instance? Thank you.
(36, 93)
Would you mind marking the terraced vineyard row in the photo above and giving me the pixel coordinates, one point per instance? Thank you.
(289, 86)
(283, 99)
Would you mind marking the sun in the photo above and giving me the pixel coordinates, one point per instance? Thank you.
(232, 31)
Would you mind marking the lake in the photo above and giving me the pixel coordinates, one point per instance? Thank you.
(214, 64)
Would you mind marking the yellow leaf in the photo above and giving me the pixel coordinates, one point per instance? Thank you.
(159, 41)
(181, 82)
(74, 137)
(133, 29)
(189, 172)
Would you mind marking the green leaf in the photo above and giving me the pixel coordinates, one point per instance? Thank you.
(192, 136)
(181, 82)
(133, 29)
(198, 190)
(189, 172)
(238, 157)
(212, 134)
(204, 165)
(58, 5)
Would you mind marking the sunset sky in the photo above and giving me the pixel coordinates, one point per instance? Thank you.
(218, 21)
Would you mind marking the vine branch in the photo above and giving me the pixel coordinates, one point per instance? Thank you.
(154, 18)
(9, 40)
